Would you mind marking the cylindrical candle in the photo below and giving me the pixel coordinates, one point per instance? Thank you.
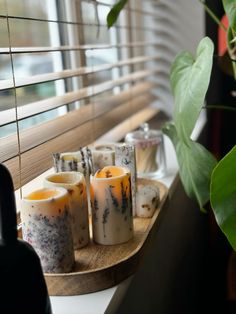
(103, 155)
(125, 157)
(72, 161)
(111, 203)
(46, 226)
(147, 200)
(74, 183)
(80, 161)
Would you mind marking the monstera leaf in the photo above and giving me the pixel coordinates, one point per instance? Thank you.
(223, 195)
(195, 166)
(189, 82)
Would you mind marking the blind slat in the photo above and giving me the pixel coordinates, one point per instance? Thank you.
(41, 133)
(15, 50)
(34, 108)
(87, 24)
(47, 77)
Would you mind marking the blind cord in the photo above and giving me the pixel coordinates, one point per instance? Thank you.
(15, 99)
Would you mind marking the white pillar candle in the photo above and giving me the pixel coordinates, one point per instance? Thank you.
(125, 157)
(147, 200)
(72, 161)
(111, 203)
(46, 226)
(80, 161)
(74, 183)
(102, 156)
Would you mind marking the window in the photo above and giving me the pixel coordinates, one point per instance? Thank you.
(65, 79)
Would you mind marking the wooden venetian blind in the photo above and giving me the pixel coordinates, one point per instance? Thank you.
(65, 79)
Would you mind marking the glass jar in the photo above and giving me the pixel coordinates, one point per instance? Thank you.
(149, 151)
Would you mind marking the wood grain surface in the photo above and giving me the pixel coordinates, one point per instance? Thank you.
(99, 267)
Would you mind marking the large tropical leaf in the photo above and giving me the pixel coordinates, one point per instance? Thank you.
(189, 81)
(114, 12)
(223, 195)
(195, 166)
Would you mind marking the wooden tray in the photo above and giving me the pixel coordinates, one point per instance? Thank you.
(99, 267)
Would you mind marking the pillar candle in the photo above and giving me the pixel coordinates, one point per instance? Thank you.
(147, 200)
(46, 226)
(125, 156)
(103, 155)
(80, 161)
(72, 161)
(74, 183)
(111, 203)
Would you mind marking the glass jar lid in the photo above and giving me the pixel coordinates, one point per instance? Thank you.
(144, 137)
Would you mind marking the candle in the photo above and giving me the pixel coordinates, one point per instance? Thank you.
(74, 183)
(72, 161)
(125, 156)
(103, 155)
(46, 226)
(111, 205)
(147, 200)
(80, 161)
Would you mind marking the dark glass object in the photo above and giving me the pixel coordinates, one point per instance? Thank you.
(22, 285)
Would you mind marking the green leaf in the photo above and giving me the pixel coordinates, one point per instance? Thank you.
(223, 195)
(195, 166)
(230, 10)
(231, 48)
(114, 12)
(189, 81)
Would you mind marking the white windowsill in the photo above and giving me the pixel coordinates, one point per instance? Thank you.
(96, 303)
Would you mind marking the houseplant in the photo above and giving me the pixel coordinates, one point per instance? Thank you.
(202, 176)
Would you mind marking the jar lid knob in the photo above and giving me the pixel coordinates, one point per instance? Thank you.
(144, 127)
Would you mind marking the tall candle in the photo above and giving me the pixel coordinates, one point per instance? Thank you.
(72, 161)
(125, 156)
(80, 161)
(111, 205)
(74, 183)
(46, 226)
(102, 156)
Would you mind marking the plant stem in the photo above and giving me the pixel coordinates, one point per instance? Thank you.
(220, 107)
(212, 15)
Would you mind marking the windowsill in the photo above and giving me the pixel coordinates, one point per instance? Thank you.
(96, 303)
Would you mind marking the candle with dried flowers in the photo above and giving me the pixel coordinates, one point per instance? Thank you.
(46, 226)
(74, 183)
(111, 203)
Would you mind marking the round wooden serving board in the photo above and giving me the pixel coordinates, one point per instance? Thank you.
(99, 267)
